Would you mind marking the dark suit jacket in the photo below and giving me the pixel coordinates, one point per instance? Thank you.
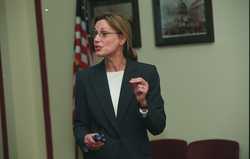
(125, 136)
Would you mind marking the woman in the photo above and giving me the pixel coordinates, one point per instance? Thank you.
(119, 97)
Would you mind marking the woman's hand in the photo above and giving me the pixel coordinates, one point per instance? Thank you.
(140, 89)
(90, 142)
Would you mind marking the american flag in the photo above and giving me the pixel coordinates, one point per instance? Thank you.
(83, 49)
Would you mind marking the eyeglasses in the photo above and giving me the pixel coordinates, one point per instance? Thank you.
(103, 34)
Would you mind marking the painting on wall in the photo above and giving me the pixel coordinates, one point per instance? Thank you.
(182, 22)
(129, 8)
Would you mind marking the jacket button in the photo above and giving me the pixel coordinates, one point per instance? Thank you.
(117, 138)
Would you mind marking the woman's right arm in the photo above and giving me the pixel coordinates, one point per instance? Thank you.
(82, 119)
(81, 128)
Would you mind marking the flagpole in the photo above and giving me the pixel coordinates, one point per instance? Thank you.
(85, 16)
(76, 147)
(81, 49)
(79, 67)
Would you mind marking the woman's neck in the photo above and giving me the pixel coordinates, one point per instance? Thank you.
(115, 64)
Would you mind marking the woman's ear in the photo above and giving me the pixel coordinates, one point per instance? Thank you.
(123, 38)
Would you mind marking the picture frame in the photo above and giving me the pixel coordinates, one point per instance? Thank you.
(182, 22)
(129, 8)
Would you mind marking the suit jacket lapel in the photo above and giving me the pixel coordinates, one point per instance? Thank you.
(101, 88)
(127, 91)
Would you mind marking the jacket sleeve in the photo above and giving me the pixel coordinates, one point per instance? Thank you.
(155, 120)
(81, 121)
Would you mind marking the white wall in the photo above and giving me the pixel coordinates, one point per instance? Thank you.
(205, 86)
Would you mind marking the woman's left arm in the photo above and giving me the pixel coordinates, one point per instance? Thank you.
(155, 120)
(150, 91)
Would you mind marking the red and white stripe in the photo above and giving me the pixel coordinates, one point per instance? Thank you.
(83, 52)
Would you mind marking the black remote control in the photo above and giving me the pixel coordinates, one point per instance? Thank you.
(98, 137)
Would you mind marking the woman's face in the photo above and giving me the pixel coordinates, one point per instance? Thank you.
(108, 46)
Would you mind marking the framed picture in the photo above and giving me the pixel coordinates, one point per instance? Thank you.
(129, 8)
(182, 22)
